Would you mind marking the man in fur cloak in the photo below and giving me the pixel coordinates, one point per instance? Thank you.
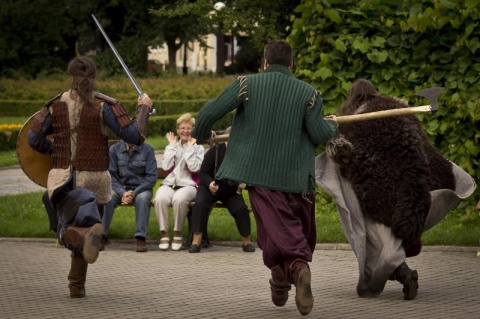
(390, 185)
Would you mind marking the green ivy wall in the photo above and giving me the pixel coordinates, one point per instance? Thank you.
(402, 47)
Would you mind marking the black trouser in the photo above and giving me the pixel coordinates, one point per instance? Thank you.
(52, 214)
(234, 203)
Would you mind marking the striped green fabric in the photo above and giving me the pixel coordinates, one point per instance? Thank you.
(276, 127)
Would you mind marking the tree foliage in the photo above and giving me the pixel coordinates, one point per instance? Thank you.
(183, 21)
(42, 37)
(402, 47)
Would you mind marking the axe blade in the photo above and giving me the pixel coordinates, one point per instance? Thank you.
(432, 95)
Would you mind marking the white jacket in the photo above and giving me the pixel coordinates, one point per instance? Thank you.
(184, 162)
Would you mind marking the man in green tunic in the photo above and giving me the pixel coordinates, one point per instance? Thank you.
(277, 125)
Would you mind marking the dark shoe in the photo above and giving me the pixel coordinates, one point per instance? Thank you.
(408, 278)
(205, 241)
(141, 245)
(279, 286)
(248, 248)
(194, 249)
(410, 285)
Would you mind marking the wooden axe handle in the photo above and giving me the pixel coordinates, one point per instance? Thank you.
(221, 138)
(361, 117)
(380, 114)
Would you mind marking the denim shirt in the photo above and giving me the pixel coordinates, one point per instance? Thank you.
(135, 170)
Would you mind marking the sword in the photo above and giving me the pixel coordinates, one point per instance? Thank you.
(119, 58)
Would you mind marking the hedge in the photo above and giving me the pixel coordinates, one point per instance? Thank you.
(163, 107)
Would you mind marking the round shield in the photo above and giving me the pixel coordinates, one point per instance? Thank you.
(34, 164)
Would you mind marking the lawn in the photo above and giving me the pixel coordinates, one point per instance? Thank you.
(25, 216)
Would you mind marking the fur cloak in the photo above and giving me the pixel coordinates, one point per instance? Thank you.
(392, 168)
(390, 185)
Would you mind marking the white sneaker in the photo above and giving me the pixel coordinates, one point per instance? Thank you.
(164, 243)
(177, 243)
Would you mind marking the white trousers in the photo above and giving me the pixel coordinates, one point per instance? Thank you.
(165, 197)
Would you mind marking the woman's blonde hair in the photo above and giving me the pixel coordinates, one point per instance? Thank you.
(187, 117)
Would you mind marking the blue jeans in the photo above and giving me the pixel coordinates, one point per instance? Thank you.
(142, 212)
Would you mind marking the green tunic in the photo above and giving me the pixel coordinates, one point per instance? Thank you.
(277, 125)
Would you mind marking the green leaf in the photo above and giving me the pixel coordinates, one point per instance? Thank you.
(448, 4)
(324, 73)
(379, 42)
(333, 15)
(471, 3)
(473, 45)
(362, 46)
(339, 45)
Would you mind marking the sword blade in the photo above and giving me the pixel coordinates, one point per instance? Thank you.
(119, 58)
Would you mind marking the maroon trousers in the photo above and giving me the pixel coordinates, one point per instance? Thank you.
(286, 229)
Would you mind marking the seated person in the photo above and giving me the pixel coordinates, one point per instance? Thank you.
(134, 173)
(182, 159)
(211, 190)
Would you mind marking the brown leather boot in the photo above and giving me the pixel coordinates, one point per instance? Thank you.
(87, 238)
(279, 286)
(300, 273)
(141, 245)
(77, 276)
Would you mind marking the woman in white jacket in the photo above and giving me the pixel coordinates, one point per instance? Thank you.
(182, 160)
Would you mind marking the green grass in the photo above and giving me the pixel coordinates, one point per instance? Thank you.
(8, 158)
(25, 216)
(157, 142)
(13, 120)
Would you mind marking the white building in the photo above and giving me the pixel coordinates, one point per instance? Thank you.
(198, 59)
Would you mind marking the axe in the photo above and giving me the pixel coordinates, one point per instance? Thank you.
(431, 94)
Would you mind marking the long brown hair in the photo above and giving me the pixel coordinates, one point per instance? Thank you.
(361, 91)
(83, 72)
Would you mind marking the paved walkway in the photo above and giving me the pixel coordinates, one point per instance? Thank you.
(221, 282)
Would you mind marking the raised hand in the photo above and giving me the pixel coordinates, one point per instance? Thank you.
(191, 141)
(171, 138)
(145, 100)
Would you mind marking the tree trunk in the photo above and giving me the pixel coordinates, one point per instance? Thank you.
(172, 55)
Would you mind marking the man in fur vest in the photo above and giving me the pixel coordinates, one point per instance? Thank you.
(390, 185)
(79, 184)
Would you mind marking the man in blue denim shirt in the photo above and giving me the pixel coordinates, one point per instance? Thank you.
(134, 173)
